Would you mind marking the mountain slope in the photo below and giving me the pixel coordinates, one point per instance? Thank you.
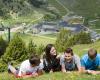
(59, 6)
(10, 8)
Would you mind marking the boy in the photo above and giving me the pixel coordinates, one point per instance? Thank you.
(28, 68)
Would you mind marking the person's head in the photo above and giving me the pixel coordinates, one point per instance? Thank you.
(68, 54)
(50, 50)
(34, 60)
(92, 53)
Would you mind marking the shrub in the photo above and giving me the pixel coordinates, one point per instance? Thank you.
(31, 48)
(40, 50)
(83, 38)
(65, 39)
(3, 66)
(16, 50)
(3, 45)
(62, 38)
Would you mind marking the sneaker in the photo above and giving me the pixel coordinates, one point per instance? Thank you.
(9, 63)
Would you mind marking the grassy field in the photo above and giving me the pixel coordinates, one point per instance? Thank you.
(38, 40)
(78, 49)
(46, 39)
(31, 18)
(54, 76)
(58, 6)
(83, 48)
(53, 35)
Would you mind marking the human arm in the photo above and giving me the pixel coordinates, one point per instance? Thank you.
(84, 70)
(62, 63)
(78, 63)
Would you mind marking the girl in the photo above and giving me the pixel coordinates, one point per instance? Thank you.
(51, 61)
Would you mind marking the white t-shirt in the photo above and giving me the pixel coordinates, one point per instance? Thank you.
(26, 68)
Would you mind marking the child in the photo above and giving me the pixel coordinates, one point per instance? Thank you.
(28, 68)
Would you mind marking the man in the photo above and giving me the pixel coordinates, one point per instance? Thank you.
(69, 61)
(91, 62)
(28, 68)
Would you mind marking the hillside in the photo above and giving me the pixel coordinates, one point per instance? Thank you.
(29, 11)
(23, 7)
(67, 3)
(78, 49)
(62, 5)
(18, 11)
(59, 6)
(90, 12)
(83, 48)
(38, 40)
(56, 76)
(15, 8)
(26, 13)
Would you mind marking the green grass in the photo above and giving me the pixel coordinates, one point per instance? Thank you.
(31, 18)
(50, 35)
(83, 48)
(78, 49)
(38, 40)
(54, 76)
(58, 6)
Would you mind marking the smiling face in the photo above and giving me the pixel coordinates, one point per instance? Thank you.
(53, 51)
(68, 57)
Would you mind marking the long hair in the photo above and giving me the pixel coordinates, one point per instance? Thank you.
(47, 52)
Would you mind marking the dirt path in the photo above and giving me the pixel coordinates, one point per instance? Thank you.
(20, 27)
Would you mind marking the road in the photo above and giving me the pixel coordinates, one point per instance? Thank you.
(21, 27)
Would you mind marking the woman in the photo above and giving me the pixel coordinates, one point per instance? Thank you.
(51, 61)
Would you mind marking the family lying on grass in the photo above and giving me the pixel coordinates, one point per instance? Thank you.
(51, 62)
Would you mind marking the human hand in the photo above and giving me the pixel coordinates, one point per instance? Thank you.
(68, 71)
(92, 72)
(34, 74)
(51, 71)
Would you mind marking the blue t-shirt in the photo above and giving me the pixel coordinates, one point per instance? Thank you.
(90, 64)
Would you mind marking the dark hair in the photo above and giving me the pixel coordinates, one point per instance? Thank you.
(93, 50)
(34, 59)
(47, 51)
(69, 51)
